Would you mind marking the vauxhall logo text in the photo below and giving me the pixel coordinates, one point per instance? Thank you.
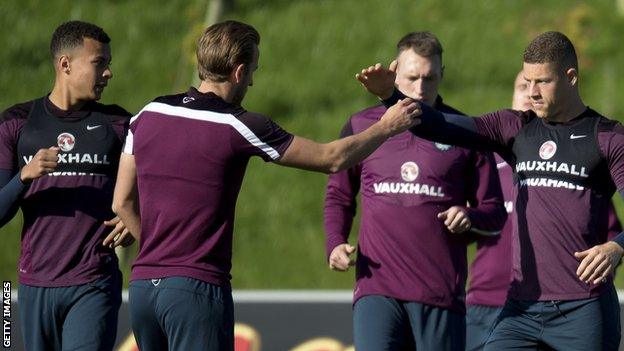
(407, 188)
(551, 166)
(409, 173)
(77, 158)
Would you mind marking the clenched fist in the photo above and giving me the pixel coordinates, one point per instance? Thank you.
(44, 162)
(339, 259)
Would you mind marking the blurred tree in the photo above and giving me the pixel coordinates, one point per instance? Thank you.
(214, 14)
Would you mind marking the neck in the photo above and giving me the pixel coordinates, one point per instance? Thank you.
(221, 89)
(62, 98)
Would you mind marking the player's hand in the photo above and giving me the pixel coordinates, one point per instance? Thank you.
(401, 116)
(119, 236)
(44, 162)
(339, 259)
(456, 219)
(379, 80)
(599, 262)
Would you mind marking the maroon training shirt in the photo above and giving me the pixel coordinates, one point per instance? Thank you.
(191, 151)
(64, 212)
(404, 250)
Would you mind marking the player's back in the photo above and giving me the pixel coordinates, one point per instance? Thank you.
(191, 151)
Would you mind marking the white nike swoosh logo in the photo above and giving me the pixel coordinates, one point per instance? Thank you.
(93, 127)
(577, 136)
(501, 165)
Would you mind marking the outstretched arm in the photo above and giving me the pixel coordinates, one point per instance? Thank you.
(487, 135)
(346, 152)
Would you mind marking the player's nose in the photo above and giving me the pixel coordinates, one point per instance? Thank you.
(108, 73)
(534, 90)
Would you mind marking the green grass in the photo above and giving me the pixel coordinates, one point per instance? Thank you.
(310, 51)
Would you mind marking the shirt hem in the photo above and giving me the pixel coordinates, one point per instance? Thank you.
(457, 307)
(558, 297)
(61, 283)
(144, 274)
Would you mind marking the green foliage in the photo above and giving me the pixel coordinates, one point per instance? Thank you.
(310, 51)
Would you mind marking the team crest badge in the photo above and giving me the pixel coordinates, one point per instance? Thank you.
(66, 141)
(409, 171)
(442, 147)
(547, 150)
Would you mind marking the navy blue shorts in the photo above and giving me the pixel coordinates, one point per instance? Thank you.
(81, 317)
(383, 323)
(480, 321)
(179, 313)
(587, 324)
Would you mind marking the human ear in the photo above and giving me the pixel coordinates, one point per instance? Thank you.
(572, 76)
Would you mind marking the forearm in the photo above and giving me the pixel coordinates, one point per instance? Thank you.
(347, 152)
(334, 156)
(340, 206)
(126, 195)
(446, 128)
(338, 220)
(11, 191)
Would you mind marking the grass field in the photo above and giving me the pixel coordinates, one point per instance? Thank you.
(310, 51)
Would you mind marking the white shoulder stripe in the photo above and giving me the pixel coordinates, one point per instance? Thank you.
(128, 147)
(215, 117)
(134, 118)
(129, 144)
